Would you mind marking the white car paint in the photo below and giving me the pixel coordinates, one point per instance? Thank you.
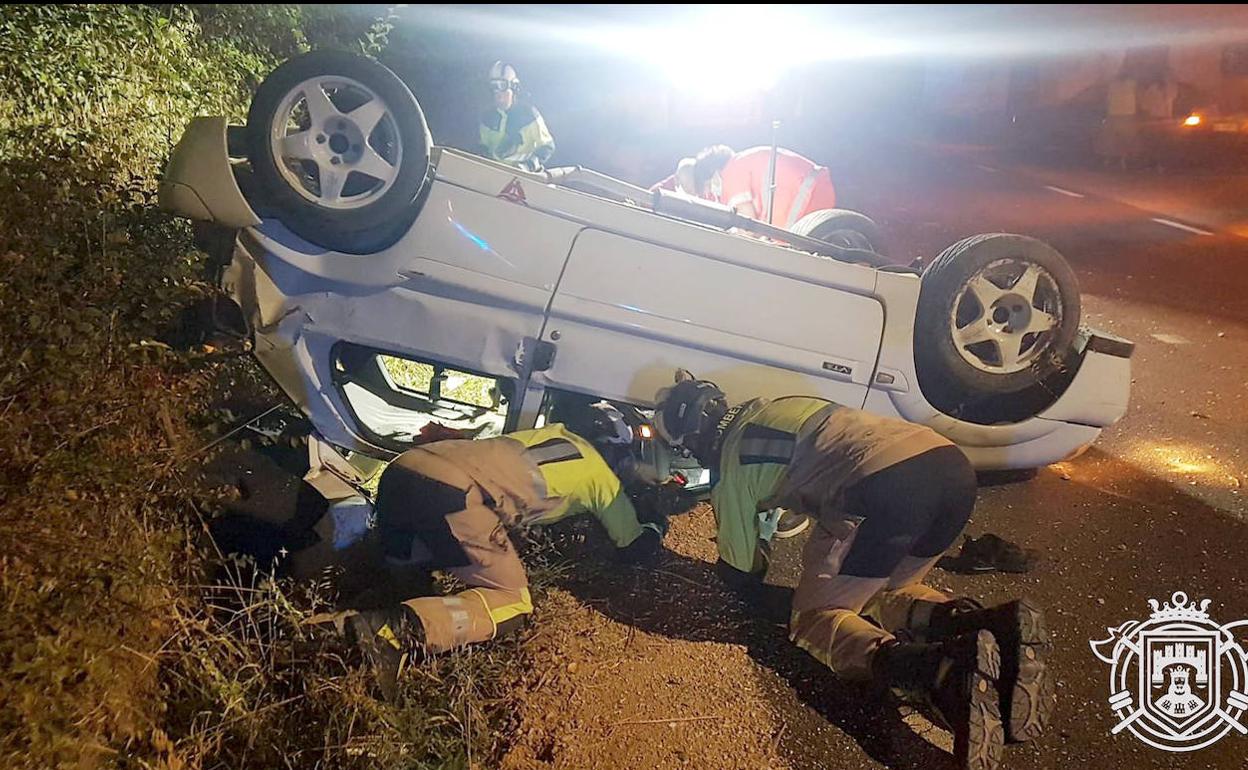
(625, 295)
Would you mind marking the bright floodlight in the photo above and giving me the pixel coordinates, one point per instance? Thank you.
(731, 48)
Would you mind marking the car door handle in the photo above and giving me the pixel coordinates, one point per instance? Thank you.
(535, 355)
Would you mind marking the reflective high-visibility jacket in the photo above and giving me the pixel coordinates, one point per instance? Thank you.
(534, 477)
(518, 137)
(799, 453)
(575, 472)
(802, 186)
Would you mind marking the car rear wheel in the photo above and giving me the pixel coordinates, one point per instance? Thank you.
(340, 147)
(841, 227)
(998, 315)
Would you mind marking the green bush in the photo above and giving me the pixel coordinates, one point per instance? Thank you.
(113, 654)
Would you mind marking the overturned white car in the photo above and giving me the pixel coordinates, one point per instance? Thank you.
(388, 283)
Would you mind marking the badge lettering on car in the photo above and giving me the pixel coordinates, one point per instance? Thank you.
(832, 366)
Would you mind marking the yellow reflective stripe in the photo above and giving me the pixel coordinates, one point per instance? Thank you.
(803, 196)
(388, 635)
(508, 611)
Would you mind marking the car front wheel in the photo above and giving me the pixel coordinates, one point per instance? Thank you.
(340, 147)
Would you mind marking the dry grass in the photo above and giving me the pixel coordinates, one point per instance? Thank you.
(130, 642)
(124, 644)
(114, 652)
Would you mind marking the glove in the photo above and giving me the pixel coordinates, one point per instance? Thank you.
(673, 498)
(645, 548)
(656, 502)
(768, 522)
(653, 519)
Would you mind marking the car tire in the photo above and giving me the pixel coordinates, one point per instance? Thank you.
(841, 227)
(997, 317)
(344, 162)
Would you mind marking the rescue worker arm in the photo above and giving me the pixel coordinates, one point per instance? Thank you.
(636, 541)
(483, 148)
(611, 506)
(490, 132)
(544, 141)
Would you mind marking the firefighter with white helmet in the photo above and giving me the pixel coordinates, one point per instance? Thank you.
(511, 131)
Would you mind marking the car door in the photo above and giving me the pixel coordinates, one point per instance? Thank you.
(466, 288)
(480, 273)
(627, 313)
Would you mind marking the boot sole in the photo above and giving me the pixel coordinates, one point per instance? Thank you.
(1028, 690)
(980, 746)
(1026, 686)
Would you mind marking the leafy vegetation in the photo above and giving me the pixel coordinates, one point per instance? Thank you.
(455, 385)
(120, 646)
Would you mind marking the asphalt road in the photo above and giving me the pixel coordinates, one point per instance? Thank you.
(1159, 504)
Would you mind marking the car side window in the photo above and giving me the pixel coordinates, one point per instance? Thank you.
(397, 401)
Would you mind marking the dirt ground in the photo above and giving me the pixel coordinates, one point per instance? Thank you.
(665, 668)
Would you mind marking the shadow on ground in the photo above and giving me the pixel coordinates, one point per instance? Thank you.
(682, 598)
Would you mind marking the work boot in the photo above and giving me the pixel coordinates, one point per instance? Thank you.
(1026, 687)
(957, 678)
(388, 638)
(790, 524)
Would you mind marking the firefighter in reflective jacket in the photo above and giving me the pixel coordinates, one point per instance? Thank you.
(742, 180)
(449, 505)
(513, 132)
(888, 498)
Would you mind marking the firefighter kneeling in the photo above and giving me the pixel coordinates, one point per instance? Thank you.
(888, 497)
(450, 506)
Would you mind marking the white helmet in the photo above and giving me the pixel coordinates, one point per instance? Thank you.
(503, 72)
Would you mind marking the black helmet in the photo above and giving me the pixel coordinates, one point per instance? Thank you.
(683, 409)
(604, 425)
(600, 423)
